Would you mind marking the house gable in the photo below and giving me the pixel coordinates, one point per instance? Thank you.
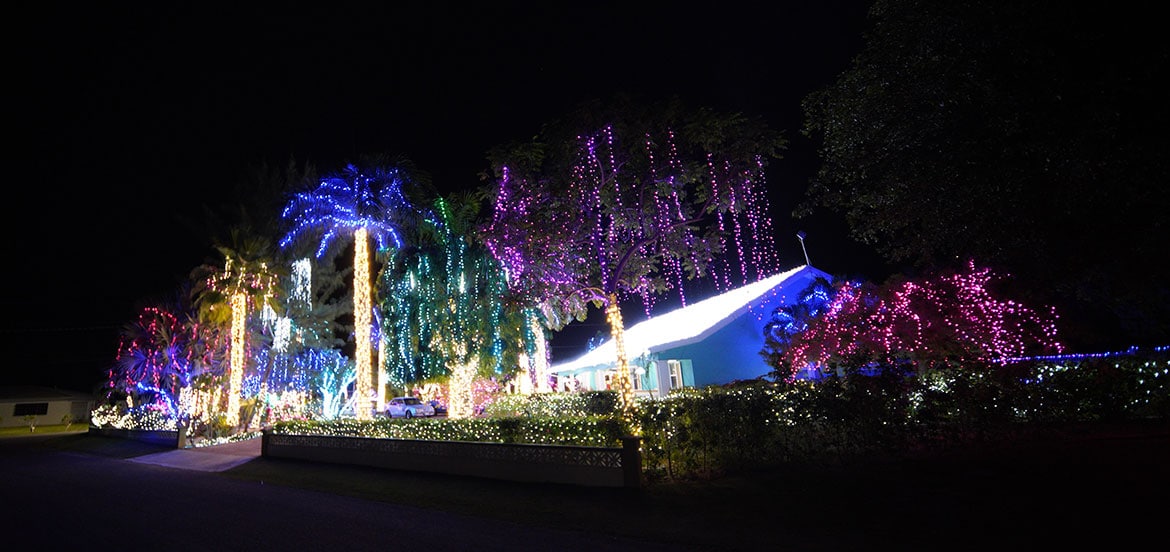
(721, 336)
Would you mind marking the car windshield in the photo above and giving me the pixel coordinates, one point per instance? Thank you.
(411, 400)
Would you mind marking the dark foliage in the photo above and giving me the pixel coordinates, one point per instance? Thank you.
(1027, 135)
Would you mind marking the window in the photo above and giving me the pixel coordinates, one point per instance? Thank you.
(31, 409)
(676, 379)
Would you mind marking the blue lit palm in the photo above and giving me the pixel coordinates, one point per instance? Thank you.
(367, 203)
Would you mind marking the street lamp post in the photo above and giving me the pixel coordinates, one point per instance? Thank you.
(800, 235)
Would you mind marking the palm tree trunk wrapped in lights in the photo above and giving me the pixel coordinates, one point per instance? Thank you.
(363, 356)
(380, 370)
(237, 359)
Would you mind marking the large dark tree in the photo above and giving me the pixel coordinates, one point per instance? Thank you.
(1028, 136)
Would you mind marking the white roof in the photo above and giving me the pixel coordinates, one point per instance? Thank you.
(686, 325)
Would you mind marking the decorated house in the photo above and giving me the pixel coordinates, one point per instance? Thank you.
(714, 341)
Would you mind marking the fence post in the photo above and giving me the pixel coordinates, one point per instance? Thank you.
(632, 461)
(181, 433)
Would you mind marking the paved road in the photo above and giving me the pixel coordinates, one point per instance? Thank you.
(1103, 490)
(62, 500)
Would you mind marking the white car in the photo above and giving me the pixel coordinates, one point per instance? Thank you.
(408, 407)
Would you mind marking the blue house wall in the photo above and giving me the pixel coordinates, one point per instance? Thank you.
(731, 353)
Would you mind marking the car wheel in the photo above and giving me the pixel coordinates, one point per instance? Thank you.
(409, 414)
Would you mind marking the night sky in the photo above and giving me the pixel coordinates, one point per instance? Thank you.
(127, 120)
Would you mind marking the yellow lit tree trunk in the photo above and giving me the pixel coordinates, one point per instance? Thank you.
(381, 370)
(617, 329)
(526, 386)
(540, 363)
(236, 361)
(361, 312)
(462, 402)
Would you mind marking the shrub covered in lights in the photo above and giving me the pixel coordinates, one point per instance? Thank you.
(120, 416)
(705, 432)
(555, 405)
(590, 431)
(695, 433)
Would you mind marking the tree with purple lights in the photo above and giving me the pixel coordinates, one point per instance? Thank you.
(952, 319)
(369, 203)
(625, 201)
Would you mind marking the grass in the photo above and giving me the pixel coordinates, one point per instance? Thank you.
(20, 431)
(851, 506)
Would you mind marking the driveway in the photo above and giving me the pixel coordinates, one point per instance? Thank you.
(209, 459)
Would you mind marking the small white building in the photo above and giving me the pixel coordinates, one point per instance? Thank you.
(711, 342)
(47, 405)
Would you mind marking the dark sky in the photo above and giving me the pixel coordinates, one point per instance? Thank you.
(128, 119)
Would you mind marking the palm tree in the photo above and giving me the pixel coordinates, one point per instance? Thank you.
(225, 296)
(155, 358)
(369, 203)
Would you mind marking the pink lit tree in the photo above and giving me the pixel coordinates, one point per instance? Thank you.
(159, 354)
(952, 319)
(619, 202)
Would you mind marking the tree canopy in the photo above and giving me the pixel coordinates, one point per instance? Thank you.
(630, 199)
(1024, 135)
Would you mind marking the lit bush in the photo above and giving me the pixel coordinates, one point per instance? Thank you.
(554, 405)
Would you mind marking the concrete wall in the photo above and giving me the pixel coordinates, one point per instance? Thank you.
(589, 466)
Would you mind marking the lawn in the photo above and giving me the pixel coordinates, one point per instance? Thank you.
(20, 431)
